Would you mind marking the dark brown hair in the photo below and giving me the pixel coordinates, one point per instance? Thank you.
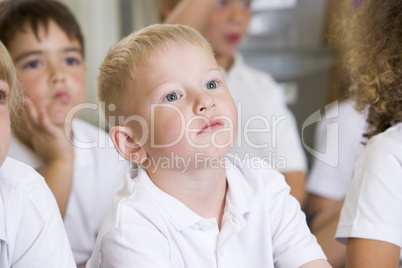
(15, 15)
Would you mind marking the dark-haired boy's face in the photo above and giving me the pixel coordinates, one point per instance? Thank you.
(51, 69)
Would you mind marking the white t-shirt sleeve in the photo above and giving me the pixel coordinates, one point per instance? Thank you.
(293, 243)
(41, 240)
(339, 140)
(288, 144)
(36, 233)
(373, 204)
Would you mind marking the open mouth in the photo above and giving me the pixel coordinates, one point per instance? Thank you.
(210, 126)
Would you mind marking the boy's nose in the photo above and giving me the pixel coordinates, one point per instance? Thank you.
(56, 73)
(204, 103)
(238, 13)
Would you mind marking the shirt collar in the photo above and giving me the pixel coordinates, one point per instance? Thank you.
(180, 214)
(238, 61)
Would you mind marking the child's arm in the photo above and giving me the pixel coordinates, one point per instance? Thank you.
(297, 182)
(371, 253)
(51, 143)
(194, 13)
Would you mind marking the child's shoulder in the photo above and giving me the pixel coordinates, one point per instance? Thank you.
(19, 181)
(86, 131)
(254, 174)
(14, 172)
(391, 139)
(244, 70)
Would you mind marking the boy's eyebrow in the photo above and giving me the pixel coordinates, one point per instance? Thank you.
(39, 52)
(27, 54)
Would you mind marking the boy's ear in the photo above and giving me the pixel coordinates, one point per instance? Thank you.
(124, 142)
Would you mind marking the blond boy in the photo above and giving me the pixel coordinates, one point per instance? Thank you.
(267, 128)
(189, 204)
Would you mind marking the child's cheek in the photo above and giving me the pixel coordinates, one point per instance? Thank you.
(167, 126)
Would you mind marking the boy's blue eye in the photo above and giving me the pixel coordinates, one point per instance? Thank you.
(211, 85)
(72, 61)
(33, 64)
(246, 4)
(172, 96)
(222, 3)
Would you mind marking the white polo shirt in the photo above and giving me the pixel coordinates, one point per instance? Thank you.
(331, 180)
(98, 175)
(262, 226)
(31, 229)
(373, 204)
(267, 128)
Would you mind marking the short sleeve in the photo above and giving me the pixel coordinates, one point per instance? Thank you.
(289, 228)
(41, 239)
(373, 204)
(339, 139)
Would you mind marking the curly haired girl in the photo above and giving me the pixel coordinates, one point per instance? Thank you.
(374, 58)
(371, 217)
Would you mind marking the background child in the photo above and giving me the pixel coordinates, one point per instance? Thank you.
(327, 184)
(46, 45)
(30, 222)
(371, 221)
(260, 101)
(211, 211)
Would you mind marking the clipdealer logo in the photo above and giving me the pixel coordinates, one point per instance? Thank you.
(330, 155)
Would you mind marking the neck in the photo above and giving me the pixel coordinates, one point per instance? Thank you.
(203, 190)
(224, 61)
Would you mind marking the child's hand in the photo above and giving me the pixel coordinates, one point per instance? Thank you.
(51, 142)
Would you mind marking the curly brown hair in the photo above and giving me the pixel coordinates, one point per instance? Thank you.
(373, 40)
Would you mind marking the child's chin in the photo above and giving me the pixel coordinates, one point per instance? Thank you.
(59, 120)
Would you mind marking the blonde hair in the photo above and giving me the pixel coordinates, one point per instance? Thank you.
(118, 72)
(8, 74)
(374, 58)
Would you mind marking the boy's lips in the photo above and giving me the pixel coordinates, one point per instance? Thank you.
(63, 96)
(233, 38)
(211, 125)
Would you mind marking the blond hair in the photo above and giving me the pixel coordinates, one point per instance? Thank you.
(8, 74)
(118, 72)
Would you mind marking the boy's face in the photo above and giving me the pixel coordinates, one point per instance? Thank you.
(4, 120)
(186, 104)
(228, 25)
(51, 69)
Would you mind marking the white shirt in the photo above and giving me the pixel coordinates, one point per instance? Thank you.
(262, 226)
(31, 229)
(331, 180)
(373, 204)
(262, 108)
(98, 174)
